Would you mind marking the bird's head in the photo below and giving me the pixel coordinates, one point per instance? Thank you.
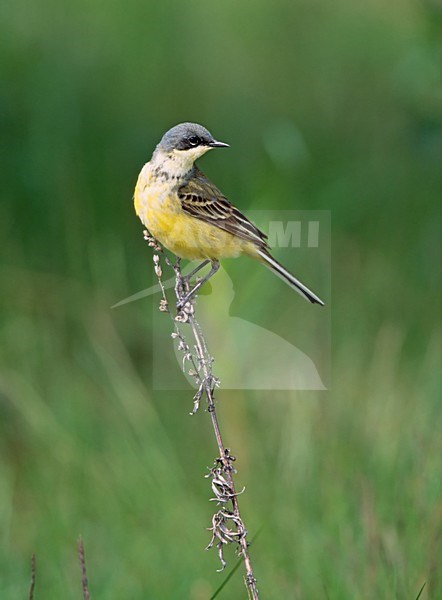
(186, 142)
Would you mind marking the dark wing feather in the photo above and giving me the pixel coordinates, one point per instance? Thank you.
(203, 200)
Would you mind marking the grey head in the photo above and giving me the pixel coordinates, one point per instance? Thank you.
(187, 136)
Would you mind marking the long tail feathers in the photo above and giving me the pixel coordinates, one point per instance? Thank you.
(290, 279)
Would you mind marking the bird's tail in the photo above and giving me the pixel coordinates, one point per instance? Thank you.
(290, 279)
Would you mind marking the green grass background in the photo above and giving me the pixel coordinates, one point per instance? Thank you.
(346, 484)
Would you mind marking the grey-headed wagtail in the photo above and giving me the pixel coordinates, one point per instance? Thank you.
(189, 215)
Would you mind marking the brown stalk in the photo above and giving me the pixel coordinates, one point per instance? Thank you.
(227, 524)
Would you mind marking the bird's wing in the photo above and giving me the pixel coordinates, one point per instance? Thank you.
(203, 200)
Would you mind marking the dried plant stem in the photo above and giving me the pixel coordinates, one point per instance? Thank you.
(226, 459)
(227, 525)
(32, 585)
(82, 559)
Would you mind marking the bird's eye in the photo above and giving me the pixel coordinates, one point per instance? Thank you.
(194, 140)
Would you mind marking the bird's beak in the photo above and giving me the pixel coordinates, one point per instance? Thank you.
(215, 144)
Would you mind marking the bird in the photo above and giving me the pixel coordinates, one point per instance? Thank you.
(186, 213)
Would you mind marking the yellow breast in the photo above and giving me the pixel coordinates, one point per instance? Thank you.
(159, 208)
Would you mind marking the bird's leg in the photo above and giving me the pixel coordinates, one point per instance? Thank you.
(196, 287)
(189, 276)
(182, 281)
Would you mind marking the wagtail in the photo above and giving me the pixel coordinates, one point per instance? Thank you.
(191, 217)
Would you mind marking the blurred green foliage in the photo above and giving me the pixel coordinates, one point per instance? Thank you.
(330, 106)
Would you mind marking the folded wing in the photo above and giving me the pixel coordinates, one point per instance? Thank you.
(203, 200)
